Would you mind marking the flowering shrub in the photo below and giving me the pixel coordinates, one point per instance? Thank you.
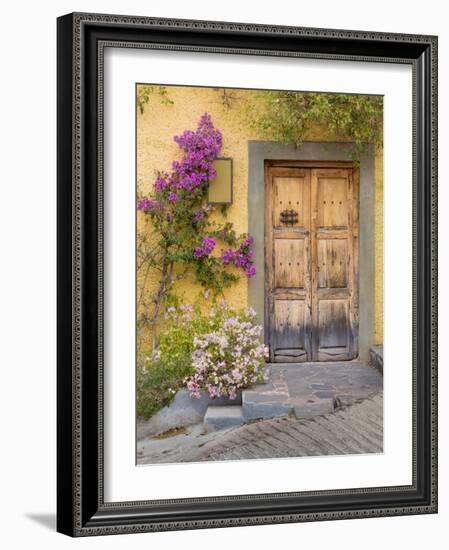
(229, 358)
(218, 351)
(186, 238)
(162, 373)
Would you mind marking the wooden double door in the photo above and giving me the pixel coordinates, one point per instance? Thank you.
(311, 261)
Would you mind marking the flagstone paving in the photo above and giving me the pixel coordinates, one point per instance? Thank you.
(310, 389)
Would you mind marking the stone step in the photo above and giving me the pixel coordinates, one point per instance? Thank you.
(313, 406)
(184, 410)
(265, 401)
(223, 417)
(377, 358)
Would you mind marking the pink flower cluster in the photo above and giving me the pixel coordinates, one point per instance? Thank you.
(207, 246)
(199, 216)
(228, 359)
(204, 144)
(242, 257)
(161, 182)
(147, 204)
(182, 315)
(201, 147)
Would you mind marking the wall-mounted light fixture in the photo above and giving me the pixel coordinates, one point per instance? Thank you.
(220, 188)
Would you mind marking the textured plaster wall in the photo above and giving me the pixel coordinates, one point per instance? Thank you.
(156, 149)
(378, 249)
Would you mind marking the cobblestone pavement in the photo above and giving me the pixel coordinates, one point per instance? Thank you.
(179, 447)
(354, 429)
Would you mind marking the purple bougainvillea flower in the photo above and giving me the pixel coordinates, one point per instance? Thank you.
(147, 204)
(241, 259)
(204, 144)
(187, 184)
(198, 216)
(201, 147)
(143, 203)
(207, 246)
(250, 271)
(227, 256)
(160, 184)
(154, 205)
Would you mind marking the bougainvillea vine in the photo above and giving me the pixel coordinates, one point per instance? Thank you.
(185, 240)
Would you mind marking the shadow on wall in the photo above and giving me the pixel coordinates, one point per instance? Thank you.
(46, 520)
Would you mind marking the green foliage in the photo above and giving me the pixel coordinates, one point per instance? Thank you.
(178, 237)
(289, 116)
(144, 92)
(156, 387)
(181, 325)
(161, 374)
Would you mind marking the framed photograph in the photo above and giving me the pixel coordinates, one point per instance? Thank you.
(247, 278)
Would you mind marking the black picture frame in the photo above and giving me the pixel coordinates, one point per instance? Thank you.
(81, 509)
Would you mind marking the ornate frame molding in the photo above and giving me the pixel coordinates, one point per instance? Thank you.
(81, 41)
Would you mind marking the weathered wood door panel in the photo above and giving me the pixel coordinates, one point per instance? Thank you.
(334, 206)
(311, 263)
(288, 264)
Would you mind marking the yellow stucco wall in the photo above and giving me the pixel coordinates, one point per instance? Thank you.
(378, 250)
(156, 150)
